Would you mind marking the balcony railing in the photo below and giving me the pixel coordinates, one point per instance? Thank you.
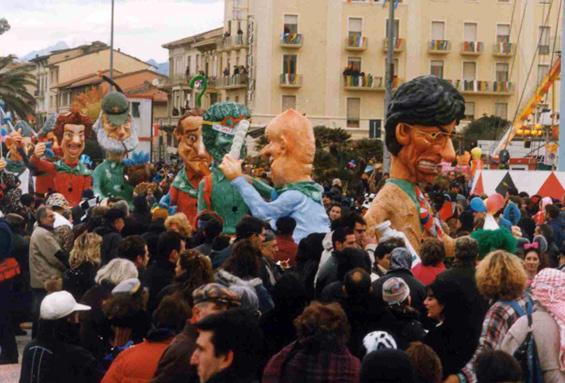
(439, 46)
(356, 43)
(472, 48)
(483, 87)
(290, 80)
(368, 83)
(398, 45)
(233, 42)
(291, 40)
(232, 82)
(503, 49)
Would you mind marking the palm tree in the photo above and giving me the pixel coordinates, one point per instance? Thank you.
(13, 81)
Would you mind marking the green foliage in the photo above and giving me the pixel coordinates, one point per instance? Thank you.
(13, 81)
(484, 128)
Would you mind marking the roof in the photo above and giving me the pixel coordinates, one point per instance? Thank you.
(212, 33)
(96, 78)
(100, 50)
(88, 48)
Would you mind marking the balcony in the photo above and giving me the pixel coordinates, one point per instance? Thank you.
(398, 45)
(503, 50)
(291, 40)
(496, 88)
(237, 81)
(356, 43)
(232, 43)
(439, 47)
(367, 83)
(472, 48)
(290, 80)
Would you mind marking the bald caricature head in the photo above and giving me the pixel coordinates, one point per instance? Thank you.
(291, 148)
(191, 146)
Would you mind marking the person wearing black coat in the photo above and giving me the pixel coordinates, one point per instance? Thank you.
(79, 280)
(161, 270)
(138, 221)
(114, 221)
(401, 262)
(151, 236)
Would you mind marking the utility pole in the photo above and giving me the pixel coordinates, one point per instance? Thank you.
(112, 45)
(561, 150)
(389, 73)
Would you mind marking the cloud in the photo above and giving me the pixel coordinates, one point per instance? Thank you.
(140, 26)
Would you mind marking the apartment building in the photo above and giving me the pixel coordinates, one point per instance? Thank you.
(58, 71)
(327, 58)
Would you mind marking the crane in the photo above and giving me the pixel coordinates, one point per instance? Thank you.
(530, 106)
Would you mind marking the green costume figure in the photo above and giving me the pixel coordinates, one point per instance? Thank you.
(117, 136)
(219, 130)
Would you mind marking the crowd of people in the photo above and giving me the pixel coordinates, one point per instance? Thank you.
(142, 295)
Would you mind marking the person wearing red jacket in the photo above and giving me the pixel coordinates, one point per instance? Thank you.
(70, 176)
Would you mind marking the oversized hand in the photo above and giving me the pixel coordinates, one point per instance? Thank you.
(39, 149)
(231, 167)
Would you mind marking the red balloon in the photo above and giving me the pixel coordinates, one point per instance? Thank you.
(494, 203)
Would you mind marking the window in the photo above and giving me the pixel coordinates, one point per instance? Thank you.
(290, 24)
(354, 63)
(438, 30)
(503, 33)
(288, 102)
(289, 64)
(197, 60)
(188, 64)
(469, 111)
(544, 40)
(543, 69)
(236, 99)
(213, 98)
(353, 112)
(436, 68)
(501, 110)
(135, 109)
(396, 28)
(470, 31)
(469, 70)
(355, 29)
(501, 72)
(394, 67)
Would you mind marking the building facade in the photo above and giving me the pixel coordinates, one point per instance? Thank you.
(327, 58)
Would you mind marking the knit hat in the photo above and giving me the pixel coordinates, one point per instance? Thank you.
(400, 258)
(378, 340)
(478, 205)
(214, 292)
(395, 291)
(57, 200)
(386, 366)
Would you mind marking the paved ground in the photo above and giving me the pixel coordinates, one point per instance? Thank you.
(10, 373)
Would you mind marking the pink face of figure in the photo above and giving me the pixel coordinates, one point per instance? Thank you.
(424, 148)
(72, 143)
(191, 146)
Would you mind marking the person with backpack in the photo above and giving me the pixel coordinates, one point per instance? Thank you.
(547, 328)
(502, 280)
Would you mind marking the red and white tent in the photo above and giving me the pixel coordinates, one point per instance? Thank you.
(540, 182)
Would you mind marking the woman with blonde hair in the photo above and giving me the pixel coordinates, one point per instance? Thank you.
(502, 280)
(179, 224)
(84, 261)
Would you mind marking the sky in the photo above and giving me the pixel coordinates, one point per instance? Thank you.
(140, 26)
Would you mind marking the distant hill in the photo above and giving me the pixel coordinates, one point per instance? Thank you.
(42, 52)
(162, 68)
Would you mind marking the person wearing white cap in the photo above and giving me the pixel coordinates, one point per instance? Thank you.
(53, 355)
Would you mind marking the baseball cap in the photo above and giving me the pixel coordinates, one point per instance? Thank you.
(214, 292)
(58, 305)
(116, 108)
(395, 291)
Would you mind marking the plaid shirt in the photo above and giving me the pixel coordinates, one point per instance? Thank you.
(296, 363)
(498, 320)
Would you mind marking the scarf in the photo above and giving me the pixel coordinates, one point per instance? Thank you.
(16, 167)
(182, 183)
(309, 188)
(548, 288)
(429, 222)
(79, 169)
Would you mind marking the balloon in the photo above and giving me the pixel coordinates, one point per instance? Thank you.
(494, 203)
(476, 153)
